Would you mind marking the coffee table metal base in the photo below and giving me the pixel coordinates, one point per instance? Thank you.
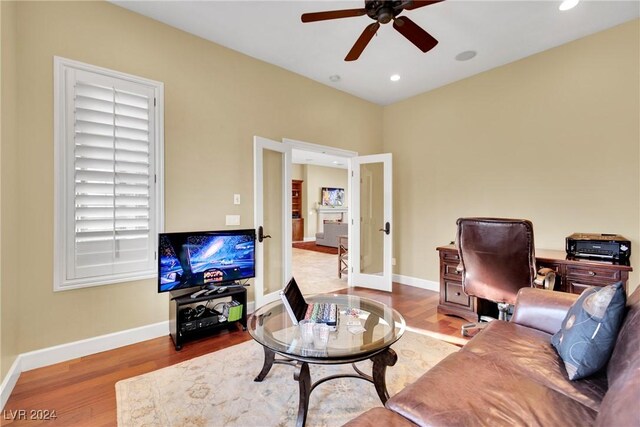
(381, 359)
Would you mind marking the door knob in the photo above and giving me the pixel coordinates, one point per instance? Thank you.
(386, 229)
(261, 235)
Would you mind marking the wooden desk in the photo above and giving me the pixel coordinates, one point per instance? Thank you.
(572, 275)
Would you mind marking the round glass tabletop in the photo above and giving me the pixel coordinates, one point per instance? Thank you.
(364, 327)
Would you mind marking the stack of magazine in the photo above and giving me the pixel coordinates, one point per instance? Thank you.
(298, 308)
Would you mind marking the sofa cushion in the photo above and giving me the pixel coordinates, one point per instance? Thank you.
(329, 236)
(620, 404)
(465, 389)
(590, 329)
(627, 347)
(527, 351)
(541, 309)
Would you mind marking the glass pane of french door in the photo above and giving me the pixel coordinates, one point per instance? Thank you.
(372, 218)
(272, 218)
(272, 178)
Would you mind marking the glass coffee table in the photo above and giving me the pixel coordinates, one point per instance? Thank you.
(366, 329)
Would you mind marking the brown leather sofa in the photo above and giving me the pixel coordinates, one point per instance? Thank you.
(510, 375)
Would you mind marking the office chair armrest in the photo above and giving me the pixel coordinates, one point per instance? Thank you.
(546, 279)
(541, 309)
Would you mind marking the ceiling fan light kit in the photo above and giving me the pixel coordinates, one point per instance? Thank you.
(383, 12)
(568, 4)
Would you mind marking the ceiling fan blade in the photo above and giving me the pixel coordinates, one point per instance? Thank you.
(332, 14)
(420, 3)
(362, 41)
(416, 35)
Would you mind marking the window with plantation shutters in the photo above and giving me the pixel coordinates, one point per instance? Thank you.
(108, 148)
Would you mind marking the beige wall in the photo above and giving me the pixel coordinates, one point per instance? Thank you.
(9, 286)
(553, 138)
(216, 100)
(297, 171)
(317, 177)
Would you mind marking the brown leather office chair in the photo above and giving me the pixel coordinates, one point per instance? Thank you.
(497, 258)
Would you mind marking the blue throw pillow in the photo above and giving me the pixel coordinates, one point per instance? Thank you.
(589, 330)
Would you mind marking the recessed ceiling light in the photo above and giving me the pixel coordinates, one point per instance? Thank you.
(466, 55)
(335, 162)
(395, 77)
(568, 4)
(334, 78)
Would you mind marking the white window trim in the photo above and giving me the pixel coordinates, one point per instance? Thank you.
(60, 168)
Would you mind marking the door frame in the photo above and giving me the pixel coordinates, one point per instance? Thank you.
(333, 151)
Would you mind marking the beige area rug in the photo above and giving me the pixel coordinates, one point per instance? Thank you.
(317, 273)
(218, 389)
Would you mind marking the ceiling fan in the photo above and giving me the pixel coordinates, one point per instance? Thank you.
(383, 12)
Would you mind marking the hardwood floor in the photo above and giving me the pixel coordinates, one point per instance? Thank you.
(82, 391)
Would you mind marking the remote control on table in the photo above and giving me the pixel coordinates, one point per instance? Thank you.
(197, 294)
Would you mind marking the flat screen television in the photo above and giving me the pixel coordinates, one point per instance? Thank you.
(205, 258)
(332, 196)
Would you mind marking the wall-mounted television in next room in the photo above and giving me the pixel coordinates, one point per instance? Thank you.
(205, 258)
(332, 196)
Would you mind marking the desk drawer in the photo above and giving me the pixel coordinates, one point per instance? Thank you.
(576, 287)
(451, 256)
(454, 294)
(451, 271)
(602, 276)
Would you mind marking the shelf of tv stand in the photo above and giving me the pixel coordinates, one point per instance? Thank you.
(180, 301)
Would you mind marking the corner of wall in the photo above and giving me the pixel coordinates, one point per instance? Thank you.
(8, 193)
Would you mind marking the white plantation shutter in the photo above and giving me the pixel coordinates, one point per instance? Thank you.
(111, 204)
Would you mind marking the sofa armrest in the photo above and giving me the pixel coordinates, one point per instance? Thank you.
(541, 309)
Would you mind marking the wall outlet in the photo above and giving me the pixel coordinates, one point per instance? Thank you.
(236, 199)
(233, 220)
(393, 261)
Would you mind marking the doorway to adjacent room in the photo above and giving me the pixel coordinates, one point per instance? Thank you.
(320, 194)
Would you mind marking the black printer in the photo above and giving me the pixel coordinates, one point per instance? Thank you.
(604, 246)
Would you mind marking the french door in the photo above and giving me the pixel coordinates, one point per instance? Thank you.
(370, 217)
(272, 218)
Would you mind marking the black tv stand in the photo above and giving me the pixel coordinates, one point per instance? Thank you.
(182, 330)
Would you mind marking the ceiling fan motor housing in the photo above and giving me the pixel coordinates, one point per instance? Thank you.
(384, 11)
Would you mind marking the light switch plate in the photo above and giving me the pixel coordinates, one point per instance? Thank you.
(233, 219)
(236, 199)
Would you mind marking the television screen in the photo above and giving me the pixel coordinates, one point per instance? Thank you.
(332, 196)
(205, 258)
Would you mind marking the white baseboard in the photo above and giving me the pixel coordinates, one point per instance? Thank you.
(418, 283)
(10, 381)
(309, 239)
(60, 353)
(73, 350)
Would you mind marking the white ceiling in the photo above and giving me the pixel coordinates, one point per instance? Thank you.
(500, 31)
